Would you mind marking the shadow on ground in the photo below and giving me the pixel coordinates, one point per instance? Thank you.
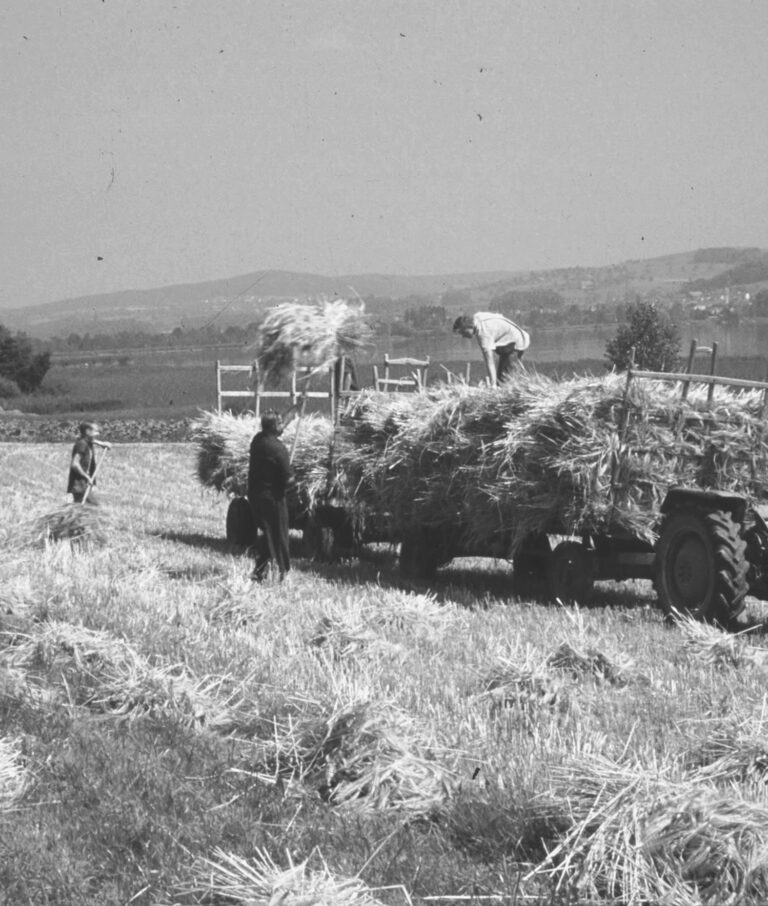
(469, 582)
(198, 540)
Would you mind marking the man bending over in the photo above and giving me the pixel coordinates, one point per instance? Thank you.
(498, 336)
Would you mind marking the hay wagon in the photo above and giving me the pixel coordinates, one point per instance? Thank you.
(708, 548)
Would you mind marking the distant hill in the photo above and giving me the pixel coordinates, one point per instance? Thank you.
(240, 299)
(243, 299)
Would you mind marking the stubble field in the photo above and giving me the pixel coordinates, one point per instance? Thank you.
(171, 733)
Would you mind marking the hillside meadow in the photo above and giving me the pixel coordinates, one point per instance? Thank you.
(172, 734)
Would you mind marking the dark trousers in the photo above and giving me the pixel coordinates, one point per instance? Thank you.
(271, 516)
(78, 492)
(509, 359)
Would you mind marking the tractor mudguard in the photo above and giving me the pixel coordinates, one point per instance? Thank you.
(682, 498)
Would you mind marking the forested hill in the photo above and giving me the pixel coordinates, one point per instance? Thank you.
(243, 299)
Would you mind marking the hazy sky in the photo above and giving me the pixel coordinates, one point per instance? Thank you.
(148, 142)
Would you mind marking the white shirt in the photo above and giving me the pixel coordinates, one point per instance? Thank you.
(492, 330)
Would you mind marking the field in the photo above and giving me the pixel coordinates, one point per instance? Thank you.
(175, 384)
(171, 733)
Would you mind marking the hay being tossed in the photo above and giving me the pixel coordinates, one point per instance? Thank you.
(312, 334)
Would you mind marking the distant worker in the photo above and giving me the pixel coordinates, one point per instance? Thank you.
(495, 334)
(269, 477)
(82, 467)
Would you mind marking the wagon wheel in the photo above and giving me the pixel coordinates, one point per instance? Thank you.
(571, 573)
(241, 527)
(529, 566)
(423, 551)
(701, 566)
(318, 540)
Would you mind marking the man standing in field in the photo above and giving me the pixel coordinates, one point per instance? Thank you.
(269, 477)
(496, 335)
(82, 467)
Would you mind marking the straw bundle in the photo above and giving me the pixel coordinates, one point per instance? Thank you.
(720, 649)
(347, 637)
(592, 662)
(732, 752)
(363, 755)
(640, 838)
(94, 670)
(309, 334)
(525, 688)
(79, 523)
(14, 778)
(493, 465)
(351, 627)
(260, 882)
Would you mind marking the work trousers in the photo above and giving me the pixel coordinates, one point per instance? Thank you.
(271, 516)
(509, 360)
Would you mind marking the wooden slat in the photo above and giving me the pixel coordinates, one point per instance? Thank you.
(700, 379)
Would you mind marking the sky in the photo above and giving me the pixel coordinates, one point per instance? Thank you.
(152, 142)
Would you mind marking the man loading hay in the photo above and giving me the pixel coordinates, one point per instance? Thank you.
(496, 335)
(82, 467)
(269, 477)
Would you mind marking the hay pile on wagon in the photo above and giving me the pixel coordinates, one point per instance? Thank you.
(224, 441)
(539, 455)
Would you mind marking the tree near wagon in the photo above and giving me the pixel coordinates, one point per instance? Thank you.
(19, 363)
(654, 336)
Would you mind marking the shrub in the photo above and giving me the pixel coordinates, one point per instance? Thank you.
(19, 363)
(8, 388)
(652, 334)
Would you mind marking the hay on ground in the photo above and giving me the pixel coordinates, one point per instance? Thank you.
(94, 670)
(14, 777)
(714, 646)
(642, 837)
(363, 755)
(75, 522)
(593, 662)
(260, 882)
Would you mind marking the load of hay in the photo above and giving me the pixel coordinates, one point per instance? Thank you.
(223, 447)
(310, 334)
(540, 455)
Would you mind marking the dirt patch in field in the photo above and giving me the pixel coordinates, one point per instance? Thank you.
(44, 429)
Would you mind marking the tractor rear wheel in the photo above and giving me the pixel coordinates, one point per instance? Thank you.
(241, 526)
(701, 566)
(571, 573)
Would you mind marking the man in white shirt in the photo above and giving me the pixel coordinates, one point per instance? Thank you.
(495, 334)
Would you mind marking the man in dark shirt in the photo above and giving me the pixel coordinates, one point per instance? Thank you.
(82, 466)
(269, 476)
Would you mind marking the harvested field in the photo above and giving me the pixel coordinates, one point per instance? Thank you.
(176, 735)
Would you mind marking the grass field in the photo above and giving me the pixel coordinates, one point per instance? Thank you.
(151, 385)
(167, 728)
